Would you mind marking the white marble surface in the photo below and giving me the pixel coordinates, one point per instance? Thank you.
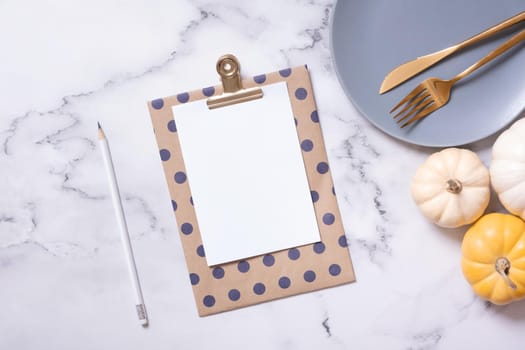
(63, 282)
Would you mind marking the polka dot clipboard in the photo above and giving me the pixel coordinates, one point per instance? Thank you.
(274, 275)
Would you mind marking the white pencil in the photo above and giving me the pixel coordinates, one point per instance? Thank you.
(119, 212)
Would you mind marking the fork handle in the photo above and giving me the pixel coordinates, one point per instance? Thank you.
(493, 30)
(507, 45)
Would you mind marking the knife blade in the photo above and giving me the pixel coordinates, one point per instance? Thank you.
(407, 70)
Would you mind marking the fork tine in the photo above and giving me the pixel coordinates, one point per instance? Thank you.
(416, 110)
(414, 103)
(417, 90)
(422, 113)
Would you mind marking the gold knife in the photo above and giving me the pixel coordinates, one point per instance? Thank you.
(407, 70)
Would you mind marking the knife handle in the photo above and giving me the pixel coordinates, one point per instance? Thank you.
(493, 30)
(507, 45)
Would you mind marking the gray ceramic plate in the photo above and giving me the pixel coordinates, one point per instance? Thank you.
(370, 38)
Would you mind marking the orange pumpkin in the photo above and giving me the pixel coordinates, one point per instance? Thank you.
(493, 259)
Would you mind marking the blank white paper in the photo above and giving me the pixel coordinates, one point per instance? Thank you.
(247, 177)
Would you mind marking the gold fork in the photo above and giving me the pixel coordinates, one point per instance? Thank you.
(434, 93)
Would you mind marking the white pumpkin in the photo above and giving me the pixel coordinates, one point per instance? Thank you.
(507, 168)
(452, 187)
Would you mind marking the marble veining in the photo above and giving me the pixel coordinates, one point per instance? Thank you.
(65, 285)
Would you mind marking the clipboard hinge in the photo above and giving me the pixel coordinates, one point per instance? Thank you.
(229, 69)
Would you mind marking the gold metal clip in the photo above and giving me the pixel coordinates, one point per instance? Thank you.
(229, 69)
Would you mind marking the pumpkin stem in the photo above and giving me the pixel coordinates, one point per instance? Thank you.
(502, 267)
(454, 186)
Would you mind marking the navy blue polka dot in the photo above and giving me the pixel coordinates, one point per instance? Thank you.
(315, 196)
(234, 295)
(158, 103)
(307, 145)
(243, 266)
(328, 218)
(259, 79)
(315, 117)
(284, 282)
(268, 260)
(343, 242)
(200, 251)
(208, 91)
(294, 254)
(285, 72)
(295, 121)
(333, 190)
(334, 269)
(172, 126)
(174, 205)
(309, 276)
(218, 272)
(165, 155)
(208, 300)
(194, 279)
(259, 288)
(319, 247)
(322, 167)
(191, 200)
(183, 98)
(301, 93)
(180, 177)
(186, 228)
